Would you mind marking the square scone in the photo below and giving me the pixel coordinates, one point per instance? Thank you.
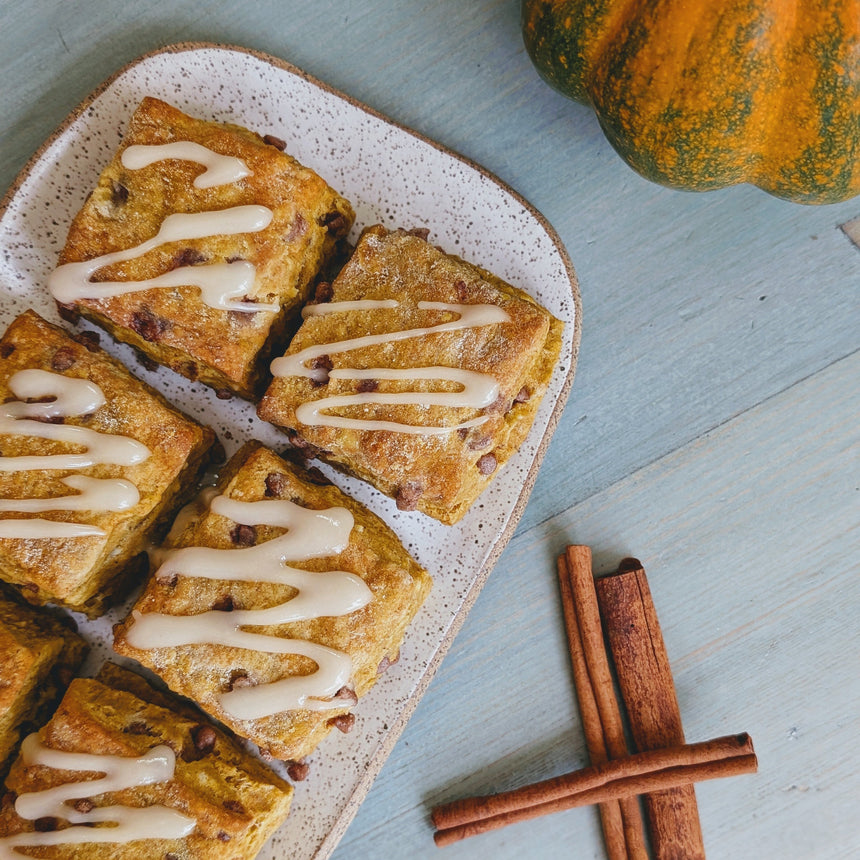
(120, 773)
(277, 602)
(198, 245)
(92, 462)
(416, 371)
(39, 655)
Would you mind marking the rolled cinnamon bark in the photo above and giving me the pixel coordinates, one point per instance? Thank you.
(613, 780)
(584, 605)
(612, 821)
(648, 691)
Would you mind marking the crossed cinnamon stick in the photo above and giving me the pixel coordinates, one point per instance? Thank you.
(664, 769)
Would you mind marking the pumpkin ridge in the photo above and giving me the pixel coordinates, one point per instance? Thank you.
(695, 94)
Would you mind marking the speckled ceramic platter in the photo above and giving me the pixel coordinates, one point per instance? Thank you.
(392, 176)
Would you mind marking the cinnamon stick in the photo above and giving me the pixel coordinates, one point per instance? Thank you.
(613, 780)
(621, 820)
(626, 770)
(648, 691)
(610, 812)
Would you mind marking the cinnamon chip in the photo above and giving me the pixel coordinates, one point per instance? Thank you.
(479, 442)
(240, 678)
(6, 349)
(118, 194)
(323, 292)
(487, 464)
(523, 395)
(224, 604)
(334, 222)
(347, 694)
(187, 257)
(366, 385)
(234, 806)
(243, 535)
(408, 495)
(63, 359)
(147, 324)
(297, 228)
(298, 771)
(169, 579)
(46, 824)
(276, 484)
(84, 804)
(499, 405)
(343, 722)
(300, 444)
(321, 362)
(204, 738)
(275, 141)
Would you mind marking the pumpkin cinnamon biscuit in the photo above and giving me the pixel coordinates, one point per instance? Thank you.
(277, 603)
(226, 231)
(92, 463)
(177, 786)
(418, 372)
(40, 654)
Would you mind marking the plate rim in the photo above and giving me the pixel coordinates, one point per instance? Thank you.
(386, 744)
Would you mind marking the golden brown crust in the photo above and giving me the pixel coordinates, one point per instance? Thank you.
(40, 654)
(369, 635)
(441, 475)
(174, 327)
(236, 801)
(84, 573)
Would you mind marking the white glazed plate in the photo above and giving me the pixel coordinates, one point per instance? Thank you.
(392, 176)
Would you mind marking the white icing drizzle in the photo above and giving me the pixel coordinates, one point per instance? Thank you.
(71, 397)
(39, 528)
(120, 772)
(312, 534)
(477, 390)
(220, 169)
(95, 494)
(343, 307)
(219, 283)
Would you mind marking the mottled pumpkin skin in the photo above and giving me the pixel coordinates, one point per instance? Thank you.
(701, 94)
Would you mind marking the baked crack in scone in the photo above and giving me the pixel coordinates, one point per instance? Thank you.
(39, 655)
(277, 603)
(92, 462)
(416, 371)
(119, 773)
(199, 243)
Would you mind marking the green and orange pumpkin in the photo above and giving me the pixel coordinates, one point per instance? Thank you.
(700, 94)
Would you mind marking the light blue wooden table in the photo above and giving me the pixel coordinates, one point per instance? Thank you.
(712, 429)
